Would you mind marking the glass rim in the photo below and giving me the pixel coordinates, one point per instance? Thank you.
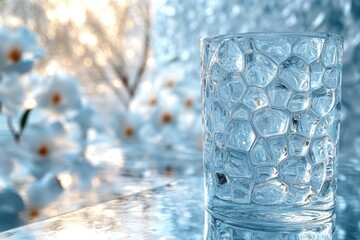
(319, 35)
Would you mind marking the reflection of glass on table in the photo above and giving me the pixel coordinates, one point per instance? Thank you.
(218, 229)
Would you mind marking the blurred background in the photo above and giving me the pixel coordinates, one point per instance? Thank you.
(138, 59)
(138, 64)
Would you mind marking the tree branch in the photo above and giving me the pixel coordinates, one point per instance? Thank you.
(146, 49)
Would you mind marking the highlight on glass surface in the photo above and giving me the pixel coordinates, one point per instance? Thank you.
(271, 118)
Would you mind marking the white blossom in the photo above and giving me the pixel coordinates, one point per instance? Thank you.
(43, 191)
(126, 126)
(18, 50)
(60, 95)
(46, 148)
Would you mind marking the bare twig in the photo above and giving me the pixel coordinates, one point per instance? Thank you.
(123, 15)
(121, 73)
(103, 77)
(117, 62)
(146, 49)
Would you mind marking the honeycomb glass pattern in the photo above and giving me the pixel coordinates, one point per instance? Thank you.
(275, 100)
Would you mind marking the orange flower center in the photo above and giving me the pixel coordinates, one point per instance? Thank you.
(166, 118)
(33, 213)
(56, 98)
(170, 83)
(189, 102)
(129, 132)
(14, 55)
(43, 150)
(168, 170)
(152, 101)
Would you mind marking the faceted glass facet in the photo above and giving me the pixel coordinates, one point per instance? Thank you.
(271, 114)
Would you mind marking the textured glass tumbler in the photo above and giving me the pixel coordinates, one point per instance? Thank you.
(271, 118)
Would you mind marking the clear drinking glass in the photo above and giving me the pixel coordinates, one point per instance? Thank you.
(271, 118)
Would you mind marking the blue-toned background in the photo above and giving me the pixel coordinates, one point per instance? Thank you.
(180, 25)
(133, 56)
(139, 67)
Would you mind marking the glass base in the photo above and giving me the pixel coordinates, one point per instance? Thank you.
(216, 228)
(273, 216)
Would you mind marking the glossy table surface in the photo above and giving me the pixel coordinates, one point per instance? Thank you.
(175, 210)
